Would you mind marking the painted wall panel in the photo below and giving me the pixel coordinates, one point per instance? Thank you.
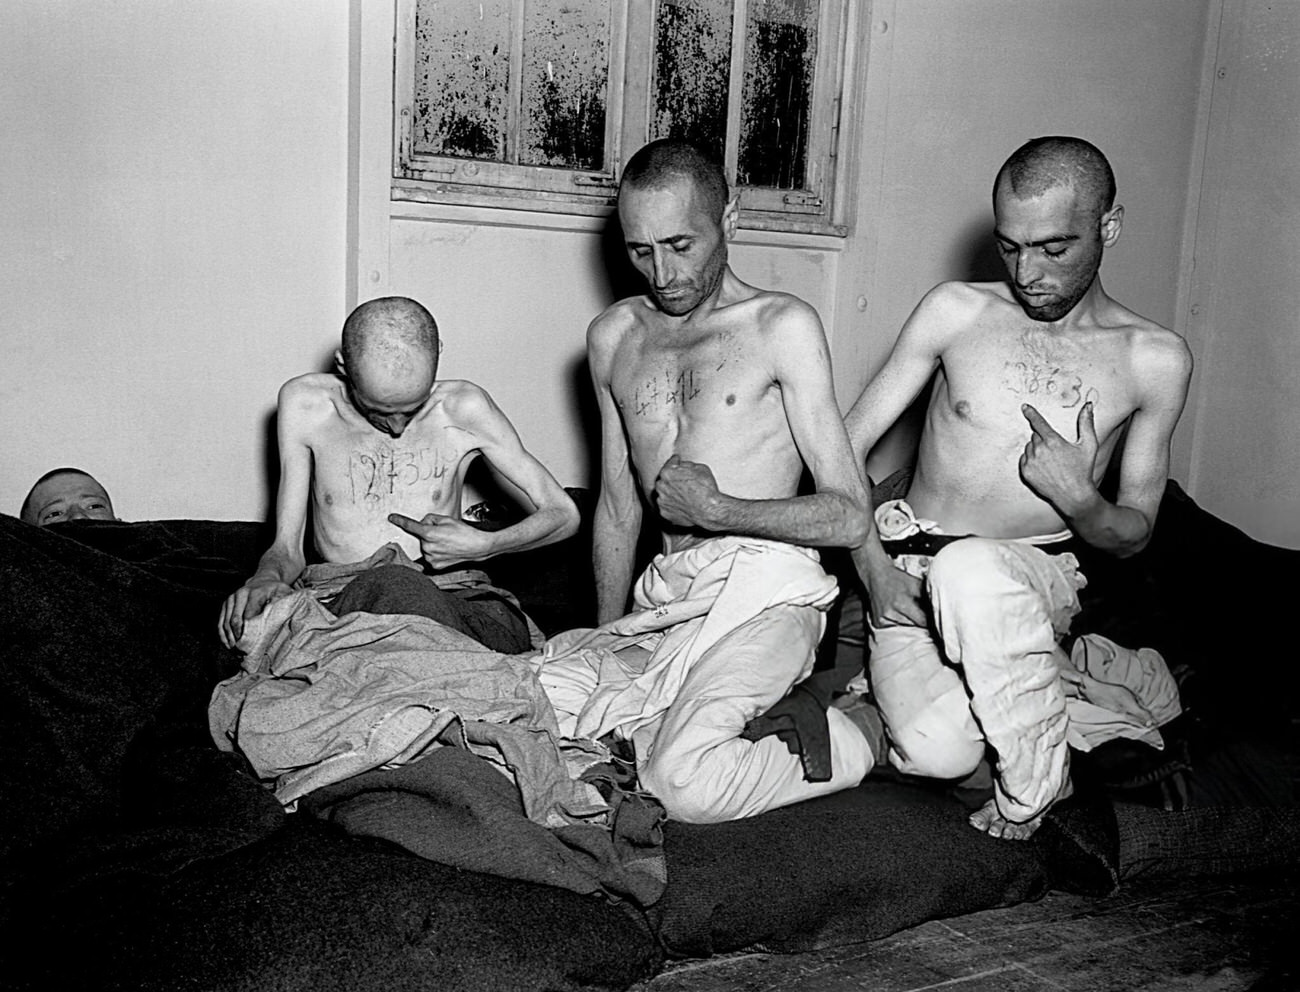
(174, 240)
(1246, 287)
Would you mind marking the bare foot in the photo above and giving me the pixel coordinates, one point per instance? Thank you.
(993, 823)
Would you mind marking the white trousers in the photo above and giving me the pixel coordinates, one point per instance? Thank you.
(721, 632)
(988, 671)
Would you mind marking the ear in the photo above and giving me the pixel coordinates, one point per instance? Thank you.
(339, 365)
(1111, 223)
(731, 216)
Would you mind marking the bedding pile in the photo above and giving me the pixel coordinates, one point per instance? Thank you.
(162, 862)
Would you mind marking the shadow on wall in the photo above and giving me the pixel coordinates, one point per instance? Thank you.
(270, 464)
(976, 254)
(586, 414)
(622, 280)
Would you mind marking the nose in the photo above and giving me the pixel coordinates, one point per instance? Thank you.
(75, 512)
(1027, 270)
(662, 270)
(396, 423)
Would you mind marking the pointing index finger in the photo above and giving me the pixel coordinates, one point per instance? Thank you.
(406, 523)
(1037, 423)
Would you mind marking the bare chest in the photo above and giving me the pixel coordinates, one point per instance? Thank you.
(367, 473)
(674, 396)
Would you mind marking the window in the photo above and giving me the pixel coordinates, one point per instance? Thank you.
(536, 103)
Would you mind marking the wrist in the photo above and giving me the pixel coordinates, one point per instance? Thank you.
(1082, 505)
(718, 512)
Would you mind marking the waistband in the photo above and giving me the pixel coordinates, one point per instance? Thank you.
(903, 533)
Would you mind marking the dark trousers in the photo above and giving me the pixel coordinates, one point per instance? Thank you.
(482, 614)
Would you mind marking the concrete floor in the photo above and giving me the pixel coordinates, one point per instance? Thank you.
(1154, 936)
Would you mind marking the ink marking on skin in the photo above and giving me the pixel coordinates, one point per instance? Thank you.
(674, 390)
(379, 473)
(1046, 370)
(1051, 381)
(731, 399)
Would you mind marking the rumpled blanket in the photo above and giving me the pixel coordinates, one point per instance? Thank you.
(453, 807)
(321, 698)
(1113, 691)
(354, 710)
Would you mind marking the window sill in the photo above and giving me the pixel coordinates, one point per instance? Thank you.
(525, 211)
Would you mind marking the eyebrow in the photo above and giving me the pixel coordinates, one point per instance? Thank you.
(662, 241)
(1055, 239)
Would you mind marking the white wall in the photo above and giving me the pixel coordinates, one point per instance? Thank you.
(1244, 302)
(174, 230)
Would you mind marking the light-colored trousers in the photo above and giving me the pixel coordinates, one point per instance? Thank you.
(988, 671)
(720, 633)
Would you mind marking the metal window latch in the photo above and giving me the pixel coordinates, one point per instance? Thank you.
(802, 199)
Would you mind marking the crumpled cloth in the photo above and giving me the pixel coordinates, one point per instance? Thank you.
(1113, 691)
(720, 633)
(321, 698)
(681, 613)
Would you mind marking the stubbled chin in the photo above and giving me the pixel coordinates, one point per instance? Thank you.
(679, 307)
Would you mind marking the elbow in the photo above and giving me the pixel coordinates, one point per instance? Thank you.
(569, 519)
(1128, 549)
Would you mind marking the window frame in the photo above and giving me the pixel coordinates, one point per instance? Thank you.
(468, 182)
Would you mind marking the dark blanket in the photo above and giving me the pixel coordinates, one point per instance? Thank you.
(455, 808)
(160, 862)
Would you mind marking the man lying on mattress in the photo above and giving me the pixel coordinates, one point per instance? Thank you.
(715, 396)
(381, 451)
(1036, 380)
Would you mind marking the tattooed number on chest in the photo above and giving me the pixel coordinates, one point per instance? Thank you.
(378, 473)
(668, 390)
(1042, 376)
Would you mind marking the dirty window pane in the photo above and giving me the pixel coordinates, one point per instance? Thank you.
(692, 66)
(462, 73)
(780, 56)
(565, 80)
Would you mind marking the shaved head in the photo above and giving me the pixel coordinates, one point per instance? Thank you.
(390, 340)
(1050, 162)
(663, 162)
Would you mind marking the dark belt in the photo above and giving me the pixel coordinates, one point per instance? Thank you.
(922, 543)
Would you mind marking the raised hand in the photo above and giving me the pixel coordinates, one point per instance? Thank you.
(686, 493)
(1058, 470)
(444, 541)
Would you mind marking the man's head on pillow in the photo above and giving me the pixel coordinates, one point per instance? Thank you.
(66, 494)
